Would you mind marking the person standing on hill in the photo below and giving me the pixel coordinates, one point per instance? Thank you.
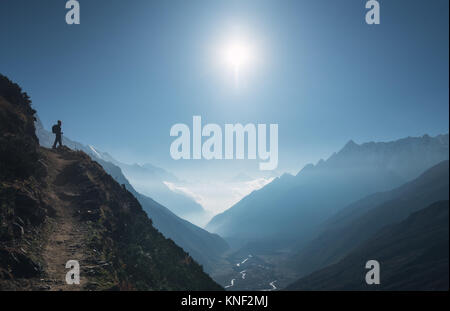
(56, 129)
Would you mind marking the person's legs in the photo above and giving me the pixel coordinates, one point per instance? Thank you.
(58, 140)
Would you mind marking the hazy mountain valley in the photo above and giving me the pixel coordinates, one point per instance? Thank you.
(315, 230)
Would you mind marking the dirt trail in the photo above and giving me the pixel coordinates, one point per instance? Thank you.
(66, 238)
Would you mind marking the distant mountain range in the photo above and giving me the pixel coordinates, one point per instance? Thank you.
(290, 209)
(413, 255)
(203, 246)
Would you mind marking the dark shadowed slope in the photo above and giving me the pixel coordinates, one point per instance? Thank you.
(413, 255)
(60, 205)
(291, 207)
(362, 219)
(204, 247)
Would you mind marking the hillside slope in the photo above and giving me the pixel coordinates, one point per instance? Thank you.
(359, 221)
(413, 255)
(147, 179)
(205, 247)
(60, 205)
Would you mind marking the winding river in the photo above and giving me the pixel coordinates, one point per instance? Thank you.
(232, 284)
(243, 274)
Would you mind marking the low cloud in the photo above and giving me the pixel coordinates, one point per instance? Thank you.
(216, 197)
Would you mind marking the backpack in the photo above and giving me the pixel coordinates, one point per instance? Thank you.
(55, 129)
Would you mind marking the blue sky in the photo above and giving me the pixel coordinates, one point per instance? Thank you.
(132, 69)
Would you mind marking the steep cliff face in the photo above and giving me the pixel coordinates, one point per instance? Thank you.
(59, 205)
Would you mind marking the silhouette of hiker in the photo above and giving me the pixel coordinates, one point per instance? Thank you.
(56, 129)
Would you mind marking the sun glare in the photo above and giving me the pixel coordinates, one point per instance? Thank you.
(237, 56)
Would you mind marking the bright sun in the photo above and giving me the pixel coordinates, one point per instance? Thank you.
(237, 57)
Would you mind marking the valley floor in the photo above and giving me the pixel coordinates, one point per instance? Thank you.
(253, 272)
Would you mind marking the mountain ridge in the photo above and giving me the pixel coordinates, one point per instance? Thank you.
(205, 247)
(148, 178)
(413, 255)
(348, 175)
(361, 219)
(60, 205)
